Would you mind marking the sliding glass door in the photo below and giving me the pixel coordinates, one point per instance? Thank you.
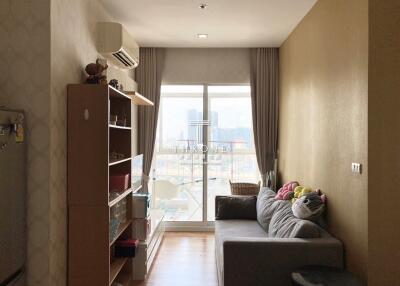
(231, 152)
(178, 162)
(204, 139)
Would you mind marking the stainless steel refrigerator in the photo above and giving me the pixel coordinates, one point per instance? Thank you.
(12, 198)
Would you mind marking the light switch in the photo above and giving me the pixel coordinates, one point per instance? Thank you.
(356, 168)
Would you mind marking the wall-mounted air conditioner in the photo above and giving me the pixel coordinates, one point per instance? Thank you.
(117, 45)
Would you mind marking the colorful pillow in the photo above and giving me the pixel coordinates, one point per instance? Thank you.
(287, 191)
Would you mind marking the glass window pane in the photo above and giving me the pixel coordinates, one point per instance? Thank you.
(231, 154)
(179, 156)
(178, 161)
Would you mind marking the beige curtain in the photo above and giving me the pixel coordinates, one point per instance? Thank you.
(148, 76)
(264, 73)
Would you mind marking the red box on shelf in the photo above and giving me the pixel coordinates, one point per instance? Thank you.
(126, 248)
(119, 183)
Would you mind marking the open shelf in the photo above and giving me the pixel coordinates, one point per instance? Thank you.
(119, 127)
(119, 198)
(91, 210)
(124, 279)
(139, 99)
(137, 189)
(134, 96)
(118, 161)
(115, 93)
(115, 267)
(121, 229)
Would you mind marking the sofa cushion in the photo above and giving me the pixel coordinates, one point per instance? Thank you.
(266, 206)
(284, 224)
(238, 228)
(235, 207)
(228, 229)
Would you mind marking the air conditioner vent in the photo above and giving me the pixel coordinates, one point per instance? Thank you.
(117, 45)
(125, 59)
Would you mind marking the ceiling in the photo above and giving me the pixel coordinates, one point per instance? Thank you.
(228, 23)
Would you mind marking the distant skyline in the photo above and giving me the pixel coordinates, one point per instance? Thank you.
(242, 135)
(230, 117)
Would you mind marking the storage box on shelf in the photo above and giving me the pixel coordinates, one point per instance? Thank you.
(148, 248)
(140, 206)
(100, 208)
(126, 247)
(149, 229)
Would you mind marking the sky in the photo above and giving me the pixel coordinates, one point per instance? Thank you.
(232, 103)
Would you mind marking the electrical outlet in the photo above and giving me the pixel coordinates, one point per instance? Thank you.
(356, 168)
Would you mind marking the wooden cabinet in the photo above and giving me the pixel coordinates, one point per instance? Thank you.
(91, 141)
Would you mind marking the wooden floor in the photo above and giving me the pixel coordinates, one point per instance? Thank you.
(184, 259)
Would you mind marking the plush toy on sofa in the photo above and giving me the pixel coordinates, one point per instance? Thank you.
(309, 206)
(287, 191)
(300, 191)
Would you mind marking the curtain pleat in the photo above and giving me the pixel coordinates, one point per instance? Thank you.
(148, 76)
(264, 81)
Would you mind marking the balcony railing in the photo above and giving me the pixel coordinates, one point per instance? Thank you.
(184, 162)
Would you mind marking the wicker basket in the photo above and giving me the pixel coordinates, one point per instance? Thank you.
(245, 189)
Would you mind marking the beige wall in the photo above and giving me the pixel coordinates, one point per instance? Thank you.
(323, 116)
(202, 65)
(25, 84)
(384, 143)
(73, 36)
(31, 31)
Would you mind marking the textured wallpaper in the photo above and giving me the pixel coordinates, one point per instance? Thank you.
(31, 80)
(384, 143)
(323, 111)
(25, 84)
(73, 26)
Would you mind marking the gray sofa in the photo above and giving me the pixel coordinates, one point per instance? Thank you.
(247, 253)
